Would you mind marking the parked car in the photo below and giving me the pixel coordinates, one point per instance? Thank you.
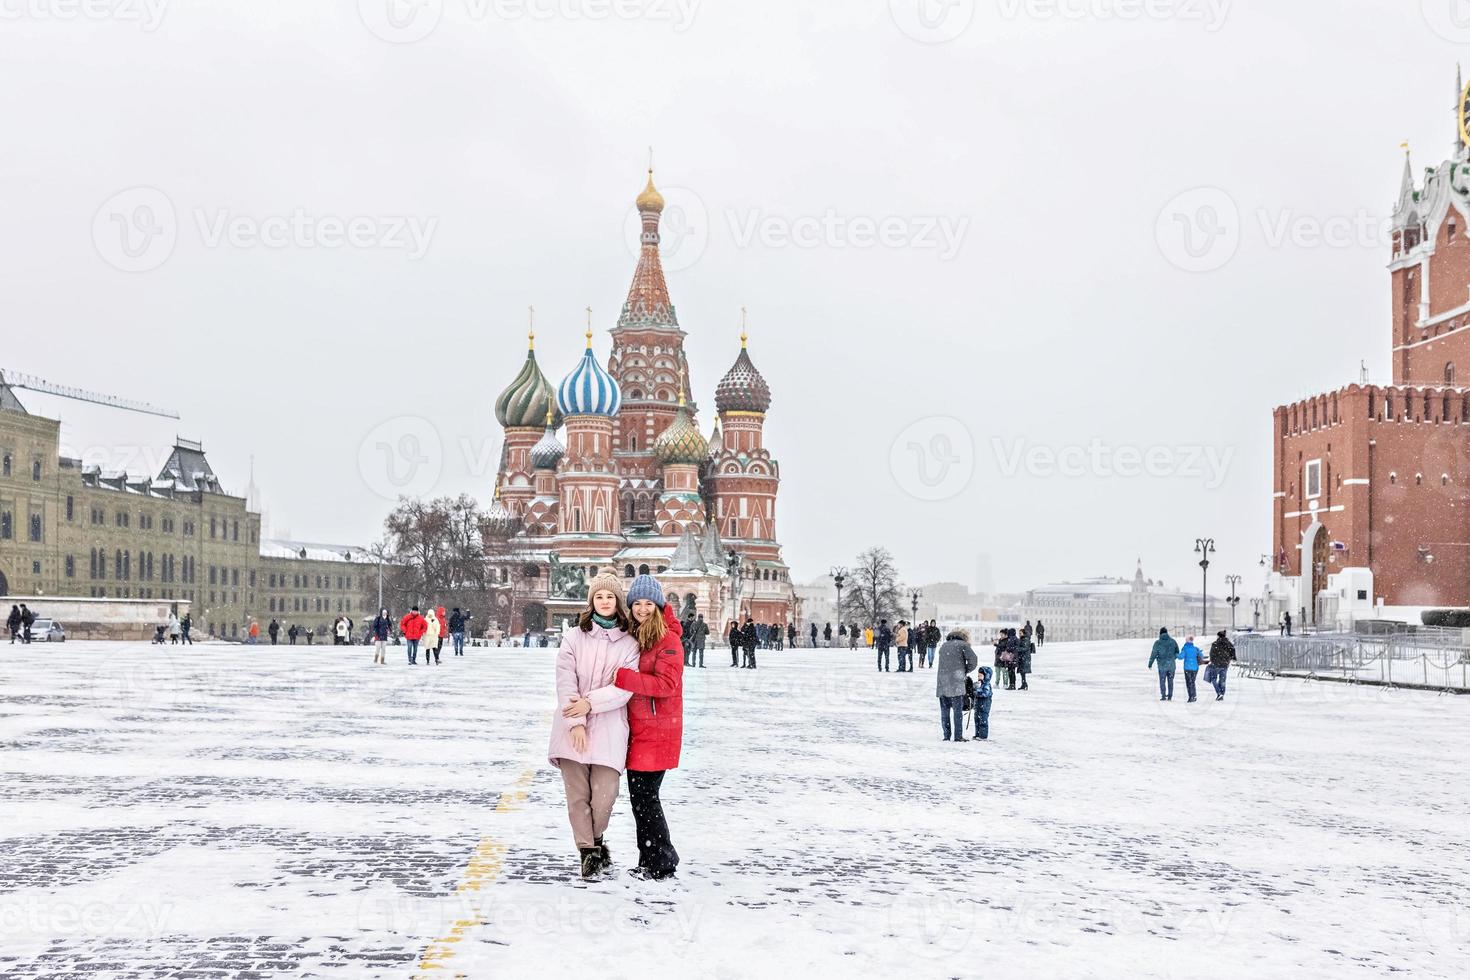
(47, 630)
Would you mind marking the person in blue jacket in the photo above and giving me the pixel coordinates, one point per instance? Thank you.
(982, 699)
(1190, 654)
(1165, 653)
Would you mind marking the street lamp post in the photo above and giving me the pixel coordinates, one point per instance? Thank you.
(1204, 547)
(839, 576)
(732, 562)
(1234, 600)
(914, 598)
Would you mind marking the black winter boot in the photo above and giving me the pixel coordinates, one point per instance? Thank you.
(603, 852)
(591, 861)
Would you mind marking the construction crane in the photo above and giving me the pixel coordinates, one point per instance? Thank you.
(14, 379)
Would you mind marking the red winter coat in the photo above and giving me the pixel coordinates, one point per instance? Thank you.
(656, 710)
(413, 626)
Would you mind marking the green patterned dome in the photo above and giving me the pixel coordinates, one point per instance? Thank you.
(525, 403)
(681, 442)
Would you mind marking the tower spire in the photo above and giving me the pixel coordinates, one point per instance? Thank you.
(744, 335)
(531, 324)
(1406, 185)
(589, 328)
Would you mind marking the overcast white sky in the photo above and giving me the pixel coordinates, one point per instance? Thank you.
(957, 257)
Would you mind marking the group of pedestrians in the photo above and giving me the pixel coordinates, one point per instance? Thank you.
(959, 692)
(620, 688)
(1166, 654)
(422, 633)
(1013, 652)
(695, 634)
(19, 622)
(744, 641)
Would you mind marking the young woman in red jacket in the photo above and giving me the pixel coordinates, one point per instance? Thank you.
(656, 722)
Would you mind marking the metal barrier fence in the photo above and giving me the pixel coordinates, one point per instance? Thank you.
(1399, 659)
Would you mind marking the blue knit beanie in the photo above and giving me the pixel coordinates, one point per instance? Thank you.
(644, 587)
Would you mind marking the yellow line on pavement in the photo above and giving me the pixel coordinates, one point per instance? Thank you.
(483, 869)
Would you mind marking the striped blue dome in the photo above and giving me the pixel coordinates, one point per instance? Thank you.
(589, 389)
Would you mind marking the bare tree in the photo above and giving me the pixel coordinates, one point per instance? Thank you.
(434, 554)
(875, 592)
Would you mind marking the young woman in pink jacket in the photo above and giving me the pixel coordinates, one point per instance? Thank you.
(589, 735)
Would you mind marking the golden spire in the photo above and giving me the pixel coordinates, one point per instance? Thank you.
(743, 335)
(650, 199)
(531, 320)
(681, 384)
(550, 414)
(589, 328)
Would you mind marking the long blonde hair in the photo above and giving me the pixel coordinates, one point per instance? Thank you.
(649, 632)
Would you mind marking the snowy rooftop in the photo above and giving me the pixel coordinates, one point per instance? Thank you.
(311, 551)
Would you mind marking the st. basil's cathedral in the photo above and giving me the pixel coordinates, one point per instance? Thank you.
(634, 485)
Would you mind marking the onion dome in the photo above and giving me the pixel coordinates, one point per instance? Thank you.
(525, 403)
(742, 389)
(549, 451)
(650, 199)
(589, 389)
(681, 442)
(499, 521)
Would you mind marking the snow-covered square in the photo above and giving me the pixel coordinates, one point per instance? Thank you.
(235, 811)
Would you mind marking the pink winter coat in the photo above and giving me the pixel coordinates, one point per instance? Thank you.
(587, 664)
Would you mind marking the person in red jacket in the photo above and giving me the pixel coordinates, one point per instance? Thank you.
(655, 721)
(413, 626)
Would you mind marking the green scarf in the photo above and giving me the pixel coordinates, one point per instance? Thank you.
(606, 624)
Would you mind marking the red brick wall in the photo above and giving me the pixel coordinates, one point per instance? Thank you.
(1386, 522)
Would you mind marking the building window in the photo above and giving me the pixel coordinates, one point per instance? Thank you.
(235, 531)
(71, 567)
(5, 465)
(6, 529)
(1449, 373)
(36, 470)
(35, 568)
(35, 527)
(1393, 478)
(1418, 479)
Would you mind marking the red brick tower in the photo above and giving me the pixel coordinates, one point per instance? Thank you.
(647, 362)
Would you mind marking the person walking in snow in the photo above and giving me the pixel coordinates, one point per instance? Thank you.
(413, 626)
(699, 633)
(884, 639)
(430, 643)
(1165, 652)
(736, 639)
(185, 625)
(1190, 654)
(956, 660)
(1040, 634)
(458, 622)
(1005, 657)
(982, 698)
(1023, 658)
(174, 628)
(750, 639)
(827, 634)
(589, 735)
(901, 640)
(656, 723)
(381, 626)
(1222, 655)
(12, 623)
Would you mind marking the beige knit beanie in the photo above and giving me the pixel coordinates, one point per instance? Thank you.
(607, 579)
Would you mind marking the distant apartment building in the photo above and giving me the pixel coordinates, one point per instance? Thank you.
(1114, 608)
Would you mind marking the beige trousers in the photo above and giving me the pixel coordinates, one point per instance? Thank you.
(591, 793)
